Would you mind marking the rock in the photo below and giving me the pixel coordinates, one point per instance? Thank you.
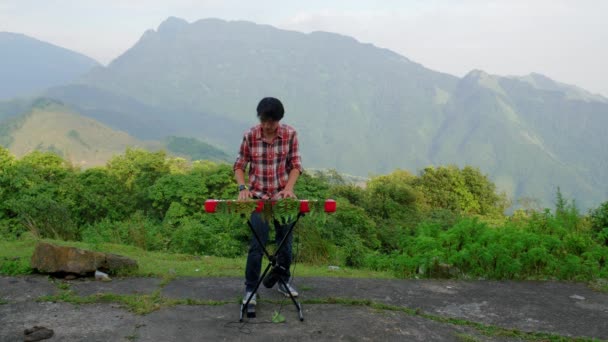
(115, 262)
(49, 258)
(37, 333)
(442, 270)
(101, 276)
(70, 277)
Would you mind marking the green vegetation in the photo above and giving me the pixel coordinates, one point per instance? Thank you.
(139, 304)
(162, 264)
(14, 266)
(444, 222)
(47, 125)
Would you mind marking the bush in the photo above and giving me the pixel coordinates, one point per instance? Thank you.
(39, 212)
(138, 230)
(599, 222)
(512, 251)
(195, 237)
(309, 244)
(14, 266)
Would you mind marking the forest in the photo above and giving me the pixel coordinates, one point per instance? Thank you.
(445, 222)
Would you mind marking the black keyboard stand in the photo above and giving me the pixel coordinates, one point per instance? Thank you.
(250, 309)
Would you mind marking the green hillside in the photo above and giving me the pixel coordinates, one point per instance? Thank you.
(490, 124)
(48, 125)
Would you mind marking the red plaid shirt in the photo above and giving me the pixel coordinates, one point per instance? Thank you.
(269, 163)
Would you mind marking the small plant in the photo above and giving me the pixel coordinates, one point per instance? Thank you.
(14, 266)
(277, 317)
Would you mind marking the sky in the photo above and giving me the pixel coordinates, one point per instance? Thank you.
(564, 40)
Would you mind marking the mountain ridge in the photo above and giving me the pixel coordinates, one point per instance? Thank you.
(24, 72)
(358, 108)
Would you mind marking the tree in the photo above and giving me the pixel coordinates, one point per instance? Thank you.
(312, 187)
(465, 191)
(6, 159)
(189, 190)
(100, 195)
(219, 179)
(446, 188)
(35, 196)
(392, 196)
(599, 221)
(484, 191)
(561, 204)
(138, 170)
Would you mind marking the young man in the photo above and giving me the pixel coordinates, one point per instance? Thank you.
(272, 152)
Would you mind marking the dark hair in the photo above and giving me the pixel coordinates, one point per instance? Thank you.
(270, 108)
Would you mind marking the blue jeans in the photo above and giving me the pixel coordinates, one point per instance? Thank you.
(256, 253)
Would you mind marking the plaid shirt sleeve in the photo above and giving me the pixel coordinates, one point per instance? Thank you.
(294, 161)
(244, 155)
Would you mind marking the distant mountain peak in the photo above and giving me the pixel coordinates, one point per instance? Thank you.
(29, 65)
(476, 73)
(172, 25)
(571, 92)
(483, 79)
(10, 36)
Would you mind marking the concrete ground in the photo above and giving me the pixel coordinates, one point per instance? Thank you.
(334, 309)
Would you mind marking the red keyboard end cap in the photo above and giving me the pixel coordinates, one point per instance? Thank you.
(330, 206)
(210, 206)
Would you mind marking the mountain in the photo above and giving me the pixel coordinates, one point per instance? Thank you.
(144, 120)
(28, 65)
(49, 125)
(530, 140)
(330, 85)
(543, 82)
(358, 108)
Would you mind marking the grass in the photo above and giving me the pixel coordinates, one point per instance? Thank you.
(138, 304)
(600, 285)
(15, 257)
(466, 338)
(165, 265)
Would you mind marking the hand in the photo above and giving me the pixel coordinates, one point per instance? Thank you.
(245, 195)
(285, 193)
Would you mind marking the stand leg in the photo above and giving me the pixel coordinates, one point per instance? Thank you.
(293, 299)
(250, 308)
(272, 260)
